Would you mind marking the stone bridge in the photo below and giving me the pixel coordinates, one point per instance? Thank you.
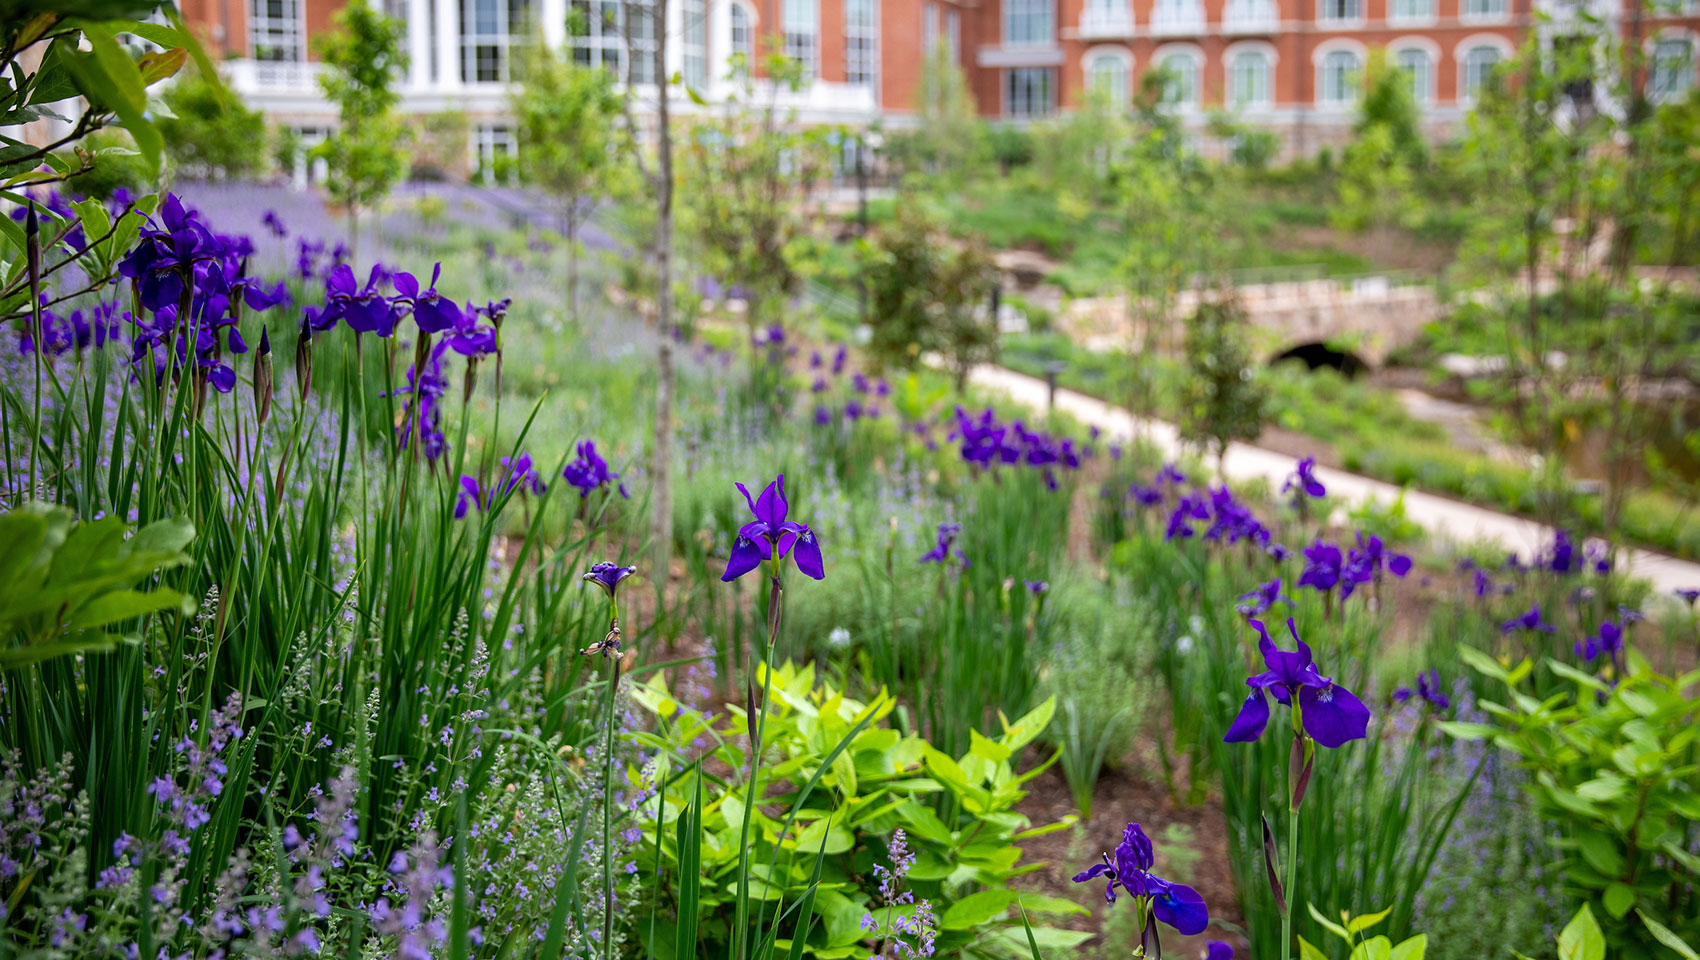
(1351, 324)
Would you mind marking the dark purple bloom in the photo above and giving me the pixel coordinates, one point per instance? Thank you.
(1143, 495)
(1323, 568)
(945, 548)
(1261, 599)
(1531, 621)
(1218, 950)
(274, 223)
(608, 576)
(773, 535)
(1374, 556)
(521, 474)
(432, 311)
(1428, 689)
(1562, 558)
(1175, 904)
(823, 415)
(1303, 481)
(1688, 594)
(470, 495)
(1038, 588)
(1482, 584)
(1607, 640)
(1331, 714)
(589, 472)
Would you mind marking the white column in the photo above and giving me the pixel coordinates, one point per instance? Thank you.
(448, 44)
(419, 44)
(554, 17)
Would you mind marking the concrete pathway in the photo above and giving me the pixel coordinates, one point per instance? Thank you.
(1445, 519)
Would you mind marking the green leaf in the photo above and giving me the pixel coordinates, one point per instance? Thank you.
(127, 604)
(1032, 943)
(1600, 851)
(1328, 924)
(1022, 732)
(1375, 948)
(1664, 935)
(1603, 789)
(1412, 949)
(1042, 903)
(1309, 952)
(1460, 730)
(1581, 938)
(1481, 662)
(1360, 924)
(688, 838)
(977, 908)
(1619, 897)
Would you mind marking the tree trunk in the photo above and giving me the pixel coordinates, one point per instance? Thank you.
(661, 520)
(572, 260)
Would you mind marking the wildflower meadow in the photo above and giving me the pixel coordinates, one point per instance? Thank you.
(366, 590)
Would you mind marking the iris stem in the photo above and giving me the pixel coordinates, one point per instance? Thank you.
(608, 796)
(1292, 871)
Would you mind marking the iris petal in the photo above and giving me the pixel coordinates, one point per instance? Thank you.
(1254, 716)
(1332, 715)
(1179, 906)
(808, 557)
(747, 554)
(771, 507)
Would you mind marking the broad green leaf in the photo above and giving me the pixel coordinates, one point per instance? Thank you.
(1600, 851)
(1309, 952)
(977, 908)
(1412, 949)
(1581, 938)
(989, 750)
(1042, 903)
(1461, 730)
(1375, 948)
(126, 604)
(1022, 732)
(1328, 924)
(1619, 897)
(1481, 662)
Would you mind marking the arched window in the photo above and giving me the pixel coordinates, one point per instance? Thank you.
(1108, 74)
(1248, 79)
(1338, 82)
(1419, 66)
(1477, 69)
(1672, 73)
(743, 39)
(1182, 88)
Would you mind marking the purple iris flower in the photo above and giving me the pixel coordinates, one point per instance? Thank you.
(1331, 714)
(1531, 621)
(521, 474)
(1038, 588)
(470, 495)
(819, 386)
(1377, 558)
(773, 534)
(1261, 599)
(1144, 496)
(1688, 594)
(1428, 690)
(814, 360)
(365, 310)
(1175, 904)
(1189, 508)
(1303, 481)
(945, 547)
(859, 382)
(1562, 558)
(838, 358)
(432, 311)
(274, 223)
(1323, 568)
(1607, 640)
(1169, 475)
(1483, 583)
(589, 472)
(823, 415)
(608, 576)
(1218, 950)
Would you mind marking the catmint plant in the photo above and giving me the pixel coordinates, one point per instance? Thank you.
(901, 926)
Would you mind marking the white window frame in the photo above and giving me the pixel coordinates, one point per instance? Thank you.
(1425, 91)
(286, 34)
(800, 21)
(745, 44)
(1230, 61)
(1349, 12)
(500, 42)
(1492, 11)
(1027, 108)
(1410, 11)
(693, 43)
(1329, 57)
(1167, 57)
(1469, 45)
(487, 140)
(1657, 66)
(862, 43)
(1029, 23)
(1096, 58)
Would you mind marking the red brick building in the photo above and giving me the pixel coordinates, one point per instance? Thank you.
(1287, 65)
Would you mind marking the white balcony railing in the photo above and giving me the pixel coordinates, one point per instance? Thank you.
(272, 76)
(1168, 20)
(1250, 16)
(1106, 23)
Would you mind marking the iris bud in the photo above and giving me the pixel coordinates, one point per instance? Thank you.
(304, 359)
(263, 378)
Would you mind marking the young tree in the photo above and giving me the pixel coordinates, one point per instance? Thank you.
(747, 181)
(368, 153)
(1221, 400)
(1378, 171)
(210, 133)
(929, 291)
(564, 114)
(950, 140)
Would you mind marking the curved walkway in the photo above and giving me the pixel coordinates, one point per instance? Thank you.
(1446, 519)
